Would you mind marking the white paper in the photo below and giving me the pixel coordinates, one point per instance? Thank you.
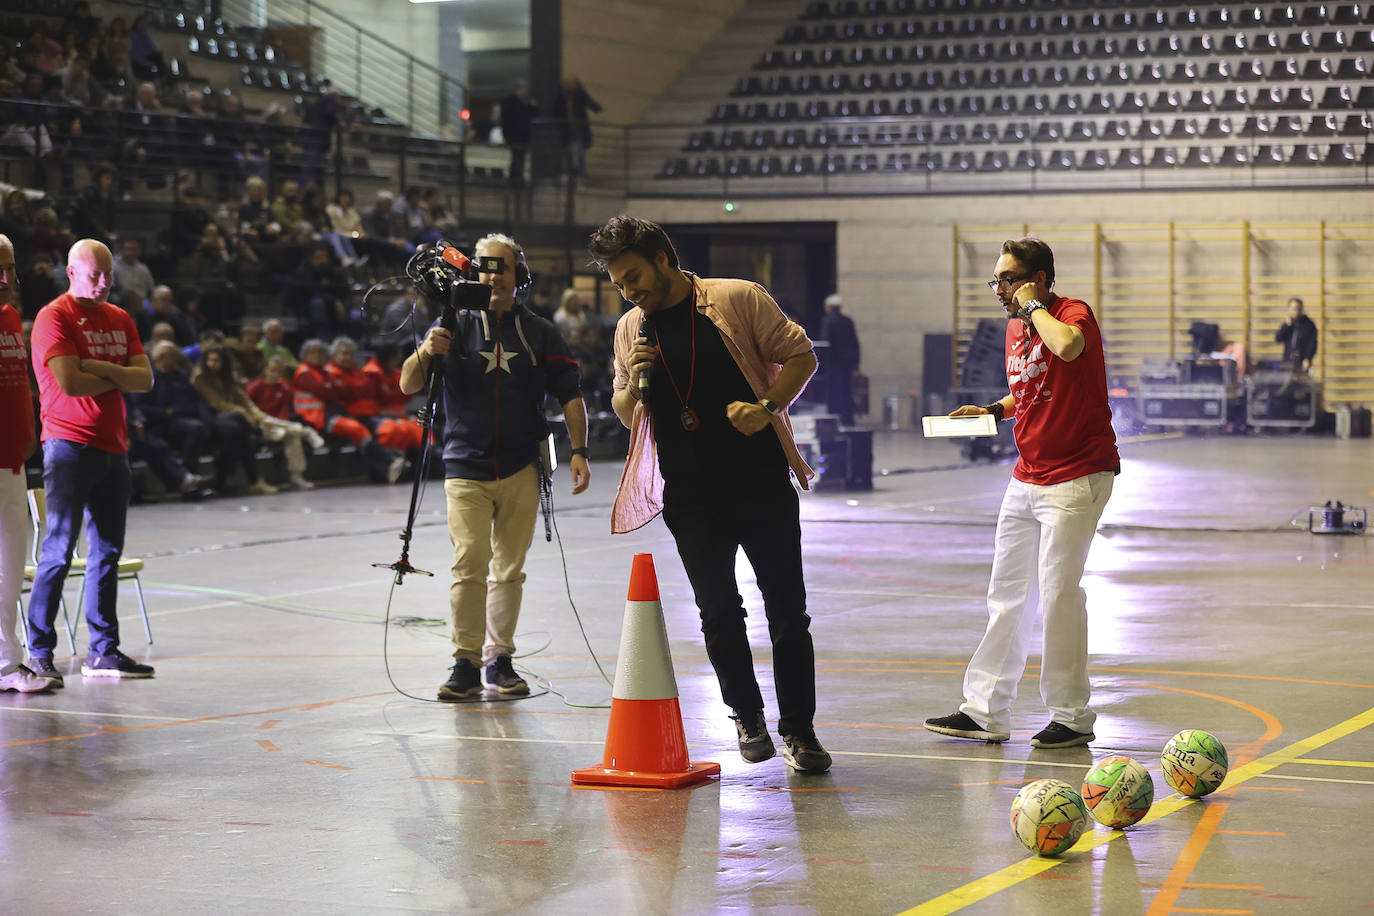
(944, 427)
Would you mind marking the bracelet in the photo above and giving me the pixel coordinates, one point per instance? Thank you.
(997, 410)
(580, 450)
(1031, 306)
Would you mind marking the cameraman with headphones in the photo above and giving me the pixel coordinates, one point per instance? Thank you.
(495, 381)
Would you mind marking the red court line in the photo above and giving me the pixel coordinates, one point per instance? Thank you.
(331, 766)
(267, 745)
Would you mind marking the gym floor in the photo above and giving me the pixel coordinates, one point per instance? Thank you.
(270, 766)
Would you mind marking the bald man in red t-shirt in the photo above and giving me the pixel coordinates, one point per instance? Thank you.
(86, 355)
(1057, 374)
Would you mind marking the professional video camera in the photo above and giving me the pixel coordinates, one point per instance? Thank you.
(445, 275)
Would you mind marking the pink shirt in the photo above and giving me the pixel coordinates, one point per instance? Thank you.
(759, 337)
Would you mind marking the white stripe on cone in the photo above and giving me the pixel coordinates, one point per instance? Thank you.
(644, 670)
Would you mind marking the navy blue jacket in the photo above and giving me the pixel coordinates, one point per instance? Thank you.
(494, 390)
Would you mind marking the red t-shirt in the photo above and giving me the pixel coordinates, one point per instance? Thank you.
(1063, 424)
(63, 327)
(16, 400)
(272, 398)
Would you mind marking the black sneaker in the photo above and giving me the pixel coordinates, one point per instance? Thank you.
(959, 725)
(116, 664)
(43, 667)
(803, 753)
(502, 678)
(755, 744)
(1057, 734)
(464, 683)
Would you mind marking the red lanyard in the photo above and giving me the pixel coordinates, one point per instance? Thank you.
(692, 374)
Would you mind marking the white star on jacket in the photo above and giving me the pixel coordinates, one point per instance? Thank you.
(492, 358)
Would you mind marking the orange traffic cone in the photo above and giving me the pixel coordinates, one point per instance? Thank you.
(645, 744)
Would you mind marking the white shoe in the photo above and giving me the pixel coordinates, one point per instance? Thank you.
(300, 483)
(313, 439)
(396, 469)
(25, 681)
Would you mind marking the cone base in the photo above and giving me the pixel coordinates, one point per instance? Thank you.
(610, 776)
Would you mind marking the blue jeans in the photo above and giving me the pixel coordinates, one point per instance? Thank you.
(80, 479)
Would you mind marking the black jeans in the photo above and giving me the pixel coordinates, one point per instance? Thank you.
(709, 530)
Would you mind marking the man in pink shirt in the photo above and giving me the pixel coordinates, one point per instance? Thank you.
(712, 448)
(86, 355)
(17, 444)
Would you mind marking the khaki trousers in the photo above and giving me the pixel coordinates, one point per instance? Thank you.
(491, 525)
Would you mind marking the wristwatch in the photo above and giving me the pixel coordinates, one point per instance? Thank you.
(1030, 306)
(770, 406)
(580, 450)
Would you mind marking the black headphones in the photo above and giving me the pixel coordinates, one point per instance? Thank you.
(523, 278)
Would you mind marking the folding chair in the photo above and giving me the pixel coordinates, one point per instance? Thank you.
(128, 569)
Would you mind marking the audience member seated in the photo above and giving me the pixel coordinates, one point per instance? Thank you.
(162, 307)
(132, 276)
(286, 209)
(244, 349)
(40, 284)
(91, 213)
(237, 433)
(272, 390)
(368, 395)
(256, 220)
(572, 316)
(205, 339)
(318, 293)
(385, 244)
(48, 238)
(215, 267)
(173, 412)
(273, 333)
(319, 403)
(161, 458)
(216, 382)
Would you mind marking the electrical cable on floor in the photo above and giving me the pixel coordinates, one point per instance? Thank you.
(545, 685)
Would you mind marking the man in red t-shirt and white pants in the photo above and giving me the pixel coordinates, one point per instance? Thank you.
(1057, 374)
(86, 355)
(16, 445)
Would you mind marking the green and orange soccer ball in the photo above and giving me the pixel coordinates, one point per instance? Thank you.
(1048, 816)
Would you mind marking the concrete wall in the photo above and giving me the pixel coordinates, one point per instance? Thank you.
(627, 52)
(895, 255)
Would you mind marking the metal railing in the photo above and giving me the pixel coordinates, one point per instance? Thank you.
(360, 64)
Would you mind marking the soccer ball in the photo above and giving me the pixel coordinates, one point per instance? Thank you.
(1194, 763)
(1118, 791)
(1048, 816)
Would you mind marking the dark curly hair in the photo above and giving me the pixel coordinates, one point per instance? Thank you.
(1033, 253)
(624, 234)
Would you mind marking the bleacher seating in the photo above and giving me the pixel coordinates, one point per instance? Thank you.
(1091, 86)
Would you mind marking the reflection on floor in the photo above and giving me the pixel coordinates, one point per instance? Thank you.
(271, 767)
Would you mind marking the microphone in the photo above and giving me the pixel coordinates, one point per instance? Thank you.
(456, 258)
(646, 329)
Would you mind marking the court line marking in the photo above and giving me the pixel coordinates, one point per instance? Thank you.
(1010, 875)
(1336, 763)
(1347, 782)
(1187, 860)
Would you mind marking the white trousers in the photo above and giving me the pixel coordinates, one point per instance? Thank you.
(1043, 536)
(14, 543)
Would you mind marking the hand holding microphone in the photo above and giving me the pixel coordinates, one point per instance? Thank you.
(642, 357)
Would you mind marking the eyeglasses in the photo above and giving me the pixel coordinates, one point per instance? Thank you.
(997, 284)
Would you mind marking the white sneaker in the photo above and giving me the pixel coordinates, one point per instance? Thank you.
(300, 483)
(313, 439)
(24, 681)
(396, 469)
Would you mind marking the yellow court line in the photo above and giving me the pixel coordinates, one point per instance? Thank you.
(984, 887)
(1337, 763)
